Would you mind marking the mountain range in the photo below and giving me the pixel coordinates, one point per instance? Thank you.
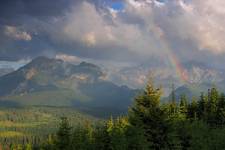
(52, 82)
(200, 78)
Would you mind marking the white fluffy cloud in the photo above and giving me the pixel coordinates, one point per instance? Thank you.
(210, 23)
(68, 58)
(200, 21)
(16, 33)
(145, 26)
(137, 30)
(107, 29)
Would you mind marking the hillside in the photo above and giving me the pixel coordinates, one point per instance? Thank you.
(52, 82)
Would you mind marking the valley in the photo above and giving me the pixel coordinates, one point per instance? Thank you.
(35, 124)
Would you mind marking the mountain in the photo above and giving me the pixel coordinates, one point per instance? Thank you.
(52, 82)
(4, 71)
(199, 76)
(194, 90)
(200, 79)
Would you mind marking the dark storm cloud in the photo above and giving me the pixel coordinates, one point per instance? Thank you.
(11, 9)
(23, 25)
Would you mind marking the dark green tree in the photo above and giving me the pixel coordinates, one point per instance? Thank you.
(192, 110)
(80, 139)
(117, 132)
(220, 113)
(172, 105)
(173, 96)
(63, 136)
(202, 107)
(102, 138)
(183, 104)
(212, 106)
(147, 115)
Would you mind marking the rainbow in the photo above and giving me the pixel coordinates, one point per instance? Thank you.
(180, 71)
(173, 59)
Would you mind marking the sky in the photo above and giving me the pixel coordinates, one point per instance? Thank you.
(115, 32)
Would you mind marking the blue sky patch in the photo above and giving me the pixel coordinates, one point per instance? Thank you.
(117, 5)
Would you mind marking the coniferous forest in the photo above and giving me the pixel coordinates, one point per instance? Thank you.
(183, 124)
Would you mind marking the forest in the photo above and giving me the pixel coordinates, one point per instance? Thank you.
(196, 124)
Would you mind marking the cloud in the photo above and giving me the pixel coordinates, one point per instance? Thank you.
(68, 58)
(89, 39)
(197, 21)
(17, 34)
(12, 11)
(145, 28)
(137, 32)
(126, 34)
(89, 29)
(210, 28)
(14, 64)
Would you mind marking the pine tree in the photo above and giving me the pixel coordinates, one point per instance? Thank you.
(202, 107)
(220, 114)
(147, 115)
(80, 138)
(117, 133)
(173, 109)
(183, 135)
(183, 105)
(212, 106)
(110, 125)
(173, 96)
(214, 96)
(63, 139)
(192, 109)
(102, 138)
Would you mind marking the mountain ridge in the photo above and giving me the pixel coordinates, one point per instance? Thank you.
(53, 82)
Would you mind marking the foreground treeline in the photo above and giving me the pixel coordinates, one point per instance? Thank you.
(29, 127)
(150, 125)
